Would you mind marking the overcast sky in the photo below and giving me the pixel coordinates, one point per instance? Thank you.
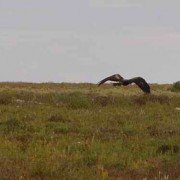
(86, 40)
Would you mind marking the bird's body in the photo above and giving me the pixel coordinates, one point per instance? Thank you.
(139, 81)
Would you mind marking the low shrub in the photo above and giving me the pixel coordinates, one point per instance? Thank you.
(176, 87)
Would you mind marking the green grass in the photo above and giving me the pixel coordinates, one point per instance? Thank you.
(79, 131)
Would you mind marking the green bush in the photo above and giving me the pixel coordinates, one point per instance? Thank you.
(176, 87)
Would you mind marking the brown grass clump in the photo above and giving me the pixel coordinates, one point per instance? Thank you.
(58, 118)
(144, 99)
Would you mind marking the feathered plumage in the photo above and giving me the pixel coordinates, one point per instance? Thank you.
(139, 81)
(115, 77)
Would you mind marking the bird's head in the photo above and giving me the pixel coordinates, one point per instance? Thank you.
(119, 77)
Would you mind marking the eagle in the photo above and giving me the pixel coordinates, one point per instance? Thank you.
(139, 81)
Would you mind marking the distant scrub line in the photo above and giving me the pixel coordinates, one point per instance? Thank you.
(78, 99)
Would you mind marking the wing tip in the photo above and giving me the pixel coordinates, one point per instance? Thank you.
(99, 83)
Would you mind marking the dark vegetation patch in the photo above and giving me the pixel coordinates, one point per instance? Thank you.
(144, 99)
(176, 87)
(164, 132)
(168, 148)
(23, 140)
(58, 118)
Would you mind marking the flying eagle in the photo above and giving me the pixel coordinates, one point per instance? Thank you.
(139, 81)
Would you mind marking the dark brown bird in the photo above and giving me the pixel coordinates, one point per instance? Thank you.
(139, 81)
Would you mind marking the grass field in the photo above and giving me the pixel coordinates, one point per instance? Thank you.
(80, 131)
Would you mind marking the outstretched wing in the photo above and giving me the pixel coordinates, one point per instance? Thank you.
(115, 77)
(140, 82)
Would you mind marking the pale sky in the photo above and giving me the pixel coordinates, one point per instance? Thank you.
(87, 40)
